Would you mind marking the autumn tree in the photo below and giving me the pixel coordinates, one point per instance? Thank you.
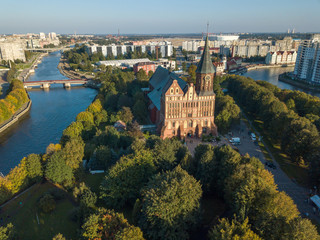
(109, 225)
(7, 232)
(235, 230)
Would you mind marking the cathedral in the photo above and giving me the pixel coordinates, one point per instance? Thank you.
(181, 109)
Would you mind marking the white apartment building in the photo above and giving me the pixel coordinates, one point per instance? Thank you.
(164, 48)
(281, 57)
(165, 63)
(192, 46)
(12, 50)
(307, 66)
(306, 55)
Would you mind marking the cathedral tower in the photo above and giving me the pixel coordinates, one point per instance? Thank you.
(205, 72)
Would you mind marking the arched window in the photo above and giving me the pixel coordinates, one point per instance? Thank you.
(190, 123)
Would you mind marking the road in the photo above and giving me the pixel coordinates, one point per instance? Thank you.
(297, 193)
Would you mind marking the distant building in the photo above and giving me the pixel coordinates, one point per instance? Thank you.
(232, 65)
(165, 49)
(219, 67)
(307, 66)
(281, 57)
(223, 37)
(191, 46)
(42, 35)
(12, 50)
(120, 126)
(165, 63)
(124, 63)
(146, 66)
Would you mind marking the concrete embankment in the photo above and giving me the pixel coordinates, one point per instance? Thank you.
(267, 66)
(16, 116)
(299, 84)
(23, 76)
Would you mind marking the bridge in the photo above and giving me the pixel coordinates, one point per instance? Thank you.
(47, 50)
(45, 84)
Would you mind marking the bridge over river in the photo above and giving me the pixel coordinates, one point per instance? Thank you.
(46, 83)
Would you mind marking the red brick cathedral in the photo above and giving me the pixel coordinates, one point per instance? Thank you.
(182, 109)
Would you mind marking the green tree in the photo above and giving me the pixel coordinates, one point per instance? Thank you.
(57, 170)
(184, 66)
(124, 180)
(140, 111)
(142, 75)
(170, 205)
(47, 203)
(150, 73)
(73, 130)
(34, 167)
(85, 196)
(300, 139)
(85, 117)
(126, 115)
(102, 159)
(205, 167)
(165, 153)
(192, 72)
(73, 152)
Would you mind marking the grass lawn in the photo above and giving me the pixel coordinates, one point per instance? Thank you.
(23, 214)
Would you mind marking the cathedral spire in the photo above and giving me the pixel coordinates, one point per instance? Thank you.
(205, 65)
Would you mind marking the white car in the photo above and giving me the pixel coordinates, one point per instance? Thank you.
(253, 137)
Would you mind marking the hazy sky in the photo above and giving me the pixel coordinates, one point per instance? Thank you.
(164, 16)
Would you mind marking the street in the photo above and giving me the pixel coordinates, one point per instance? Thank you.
(297, 193)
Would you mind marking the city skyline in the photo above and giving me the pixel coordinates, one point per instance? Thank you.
(99, 17)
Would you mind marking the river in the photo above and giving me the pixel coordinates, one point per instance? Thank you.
(271, 75)
(51, 112)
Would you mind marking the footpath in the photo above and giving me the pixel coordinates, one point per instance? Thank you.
(298, 193)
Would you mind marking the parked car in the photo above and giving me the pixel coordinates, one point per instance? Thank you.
(253, 137)
(270, 165)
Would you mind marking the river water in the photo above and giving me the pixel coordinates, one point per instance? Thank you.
(51, 112)
(271, 75)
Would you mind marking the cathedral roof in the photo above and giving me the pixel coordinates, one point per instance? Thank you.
(160, 81)
(205, 65)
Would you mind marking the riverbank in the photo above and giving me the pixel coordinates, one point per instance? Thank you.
(249, 68)
(65, 70)
(301, 84)
(16, 116)
(25, 73)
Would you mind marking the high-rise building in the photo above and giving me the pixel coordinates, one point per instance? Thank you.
(307, 66)
(12, 50)
(42, 35)
(182, 109)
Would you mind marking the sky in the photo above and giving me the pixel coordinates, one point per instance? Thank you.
(152, 17)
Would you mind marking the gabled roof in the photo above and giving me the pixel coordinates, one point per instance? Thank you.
(160, 80)
(205, 65)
